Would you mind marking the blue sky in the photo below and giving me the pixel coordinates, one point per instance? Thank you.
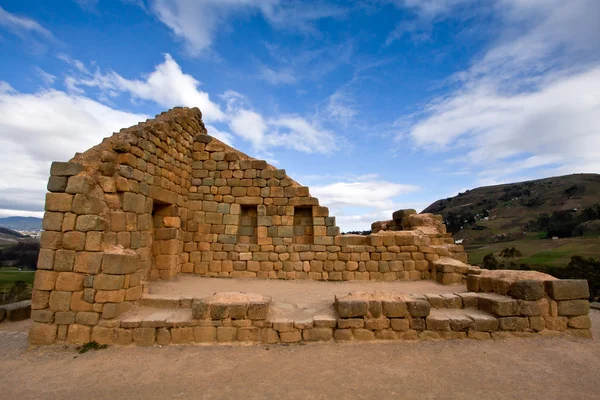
(375, 104)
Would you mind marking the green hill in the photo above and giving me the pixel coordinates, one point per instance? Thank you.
(491, 213)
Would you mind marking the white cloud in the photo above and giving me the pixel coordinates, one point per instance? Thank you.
(36, 129)
(167, 86)
(196, 22)
(360, 201)
(20, 25)
(224, 137)
(532, 101)
(283, 76)
(341, 105)
(250, 126)
(46, 77)
(299, 134)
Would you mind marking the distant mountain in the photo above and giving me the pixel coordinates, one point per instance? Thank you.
(489, 211)
(21, 223)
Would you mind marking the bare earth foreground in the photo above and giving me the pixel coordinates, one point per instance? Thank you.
(539, 368)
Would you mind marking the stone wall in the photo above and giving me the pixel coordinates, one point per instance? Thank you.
(164, 198)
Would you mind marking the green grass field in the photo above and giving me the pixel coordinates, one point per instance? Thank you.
(539, 251)
(8, 276)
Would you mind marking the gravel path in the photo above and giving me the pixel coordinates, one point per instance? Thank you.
(541, 368)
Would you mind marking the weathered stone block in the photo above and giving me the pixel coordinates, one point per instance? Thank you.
(501, 306)
(65, 168)
(144, 336)
(418, 308)
(44, 280)
(529, 290)
(580, 322)
(205, 334)
(109, 282)
(88, 262)
(59, 300)
(79, 334)
(40, 333)
(86, 223)
(568, 289)
(258, 310)
(290, 337)
(351, 308)
(226, 334)
(69, 281)
(119, 264)
(395, 308)
(573, 307)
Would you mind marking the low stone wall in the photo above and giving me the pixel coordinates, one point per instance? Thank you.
(534, 307)
(15, 311)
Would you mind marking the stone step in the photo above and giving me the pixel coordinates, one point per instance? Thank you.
(169, 301)
(150, 317)
(461, 320)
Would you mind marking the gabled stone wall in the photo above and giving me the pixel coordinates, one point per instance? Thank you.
(163, 198)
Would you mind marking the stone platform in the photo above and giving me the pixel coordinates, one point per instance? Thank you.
(292, 299)
(195, 310)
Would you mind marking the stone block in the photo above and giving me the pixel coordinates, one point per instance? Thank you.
(580, 322)
(501, 306)
(88, 262)
(250, 334)
(343, 334)
(182, 335)
(144, 336)
(109, 282)
(349, 308)
(290, 337)
(57, 184)
(529, 290)
(69, 281)
(44, 280)
(87, 318)
(556, 323)
(513, 323)
(61, 202)
(394, 308)
(59, 300)
(226, 334)
(533, 308)
(568, 289)
(86, 223)
(418, 308)
(364, 334)
(41, 333)
(573, 307)
(438, 323)
(400, 324)
(79, 334)
(205, 334)
(39, 299)
(119, 264)
(377, 323)
(258, 310)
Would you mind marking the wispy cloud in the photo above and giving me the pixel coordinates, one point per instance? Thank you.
(359, 201)
(21, 25)
(531, 101)
(196, 23)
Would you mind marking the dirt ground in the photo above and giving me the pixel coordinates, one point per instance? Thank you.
(541, 368)
(293, 299)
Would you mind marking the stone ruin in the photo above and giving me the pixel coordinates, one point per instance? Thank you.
(164, 198)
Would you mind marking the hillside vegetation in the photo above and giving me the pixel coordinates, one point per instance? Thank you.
(505, 212)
